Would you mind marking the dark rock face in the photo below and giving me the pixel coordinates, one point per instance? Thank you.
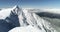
(50, 15)
(9, 23)
(3, 26)
(14, 19)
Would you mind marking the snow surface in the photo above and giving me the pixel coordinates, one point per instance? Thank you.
(8, 19)
(26, 29)
(30, 22)
(26, 19)
(4, 13)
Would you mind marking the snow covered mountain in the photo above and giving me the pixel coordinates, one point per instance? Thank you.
(24, 20)
(9, 19)
(30, 19)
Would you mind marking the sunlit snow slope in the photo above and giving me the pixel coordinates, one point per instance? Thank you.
(29, 21)
(25, 20)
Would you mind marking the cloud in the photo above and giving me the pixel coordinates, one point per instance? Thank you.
(53, 10)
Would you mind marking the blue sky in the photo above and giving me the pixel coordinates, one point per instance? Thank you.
(31, 3)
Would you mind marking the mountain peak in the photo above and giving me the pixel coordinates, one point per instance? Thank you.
(16, 9)
(16, 6)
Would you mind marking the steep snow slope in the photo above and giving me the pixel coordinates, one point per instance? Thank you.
(27, 18)
(26, 29)
(24, 20)
(4, 13)
(54, 21)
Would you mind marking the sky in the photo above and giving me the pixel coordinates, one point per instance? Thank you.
(30, 3)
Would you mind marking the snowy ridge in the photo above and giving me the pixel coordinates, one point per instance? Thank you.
(7, 12)
(28, 19)
(24, 21)
(8, 19)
